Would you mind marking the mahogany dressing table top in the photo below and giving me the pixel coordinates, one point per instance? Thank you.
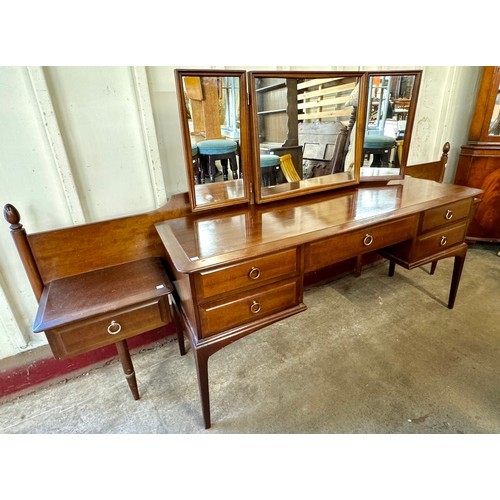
(199, 241)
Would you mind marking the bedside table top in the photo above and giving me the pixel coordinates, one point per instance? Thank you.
(84, 295)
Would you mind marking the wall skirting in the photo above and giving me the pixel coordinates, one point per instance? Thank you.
(26, 372)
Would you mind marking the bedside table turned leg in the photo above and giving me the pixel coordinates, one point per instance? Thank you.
(128, 367)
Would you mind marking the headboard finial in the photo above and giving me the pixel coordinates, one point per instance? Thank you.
(12, 216)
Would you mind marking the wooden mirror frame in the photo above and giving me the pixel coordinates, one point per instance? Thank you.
(316, 184)
(218, 194)
(409, 123)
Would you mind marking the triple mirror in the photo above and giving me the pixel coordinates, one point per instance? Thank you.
(301, 133)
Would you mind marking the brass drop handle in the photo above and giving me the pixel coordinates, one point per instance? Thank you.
(443, 241)
(448, 215)
(114, 328)
(367, 240)
(254, 273)
(255, 307)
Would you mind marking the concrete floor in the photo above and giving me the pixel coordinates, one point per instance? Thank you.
(371, 355)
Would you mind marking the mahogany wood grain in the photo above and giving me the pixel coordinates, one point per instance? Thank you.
(74, 298)
(445, 214)
(79, 249)
(200, 242)
(247, 306)
(248, 274)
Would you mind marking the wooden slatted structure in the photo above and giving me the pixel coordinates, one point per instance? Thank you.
(325, 99)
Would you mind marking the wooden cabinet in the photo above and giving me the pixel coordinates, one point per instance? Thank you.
(479, 162)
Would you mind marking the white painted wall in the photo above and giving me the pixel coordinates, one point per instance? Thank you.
(82, 144)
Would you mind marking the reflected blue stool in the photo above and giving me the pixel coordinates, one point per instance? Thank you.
(218, 149)
(269, 168)
(380, 147)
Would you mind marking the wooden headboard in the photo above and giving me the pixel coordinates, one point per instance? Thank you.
(56, 254)
(433, 171)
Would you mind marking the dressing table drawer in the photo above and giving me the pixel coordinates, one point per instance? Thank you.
(322, 253)
(92, 333)
(250, 273)
(446, 214)
(441, 239)
(244, 308)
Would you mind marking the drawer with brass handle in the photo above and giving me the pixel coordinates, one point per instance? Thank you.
(446, 214)
(436, 241)
(325, 252)
(250, 273)
(243, 308)
(92, 333)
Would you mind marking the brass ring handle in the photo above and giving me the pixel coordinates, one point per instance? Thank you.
(367, 240)
(114, 328)
(255, 307)
(448, 215)
(254, 273)
(443, 241)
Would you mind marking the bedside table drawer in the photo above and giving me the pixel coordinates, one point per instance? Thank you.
(243, 308)
(439, 240)
(446, 214)
(246, 274)
(92, 333)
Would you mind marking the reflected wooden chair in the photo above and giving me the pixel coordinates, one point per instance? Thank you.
(288, 168)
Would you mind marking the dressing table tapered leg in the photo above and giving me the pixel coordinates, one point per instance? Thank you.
(178, 325)
(433, 266)
(392, 267)
(201, 360)
(458, 265)
(128, 367)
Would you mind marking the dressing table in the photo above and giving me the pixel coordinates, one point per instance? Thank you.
(242, 267)
(233, 255)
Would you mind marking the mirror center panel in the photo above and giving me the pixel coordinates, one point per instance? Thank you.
(304, 131)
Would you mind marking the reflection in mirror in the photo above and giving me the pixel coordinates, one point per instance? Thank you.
(214, 125)
(495, 116)
(390, 109)
(305, 125)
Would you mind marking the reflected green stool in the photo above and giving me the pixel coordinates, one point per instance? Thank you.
(380, 147)
(218, 149)
(269, 168)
